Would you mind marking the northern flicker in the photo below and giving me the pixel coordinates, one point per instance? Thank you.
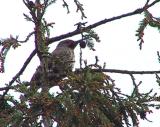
(60, 63)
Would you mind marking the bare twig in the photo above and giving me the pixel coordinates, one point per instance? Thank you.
(136, 90)
(27, 38)
(147, 2)
(66, 5)
(80, 8)
(80, 58)
(97, 60)
(126, 71)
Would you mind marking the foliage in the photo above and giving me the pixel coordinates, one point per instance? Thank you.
(6, 45)
(148, 20)
(87, 98)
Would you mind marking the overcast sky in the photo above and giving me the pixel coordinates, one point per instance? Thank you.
(118, 46)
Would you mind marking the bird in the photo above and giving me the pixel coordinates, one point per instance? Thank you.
(60, 63)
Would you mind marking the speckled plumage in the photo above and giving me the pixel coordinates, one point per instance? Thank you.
(60, 63)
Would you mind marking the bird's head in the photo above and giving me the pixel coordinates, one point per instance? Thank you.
(71, 44)
(68, 43)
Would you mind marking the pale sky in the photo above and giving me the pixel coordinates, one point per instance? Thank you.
(118, 46)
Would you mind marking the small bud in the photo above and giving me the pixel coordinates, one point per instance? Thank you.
(31, 4)
(82, 44)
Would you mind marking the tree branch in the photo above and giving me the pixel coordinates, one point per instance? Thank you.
(19, 73)
(27, 38)
(126, 71)
(78, 31)
(95, 70)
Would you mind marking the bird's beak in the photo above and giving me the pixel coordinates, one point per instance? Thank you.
(73, 44)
